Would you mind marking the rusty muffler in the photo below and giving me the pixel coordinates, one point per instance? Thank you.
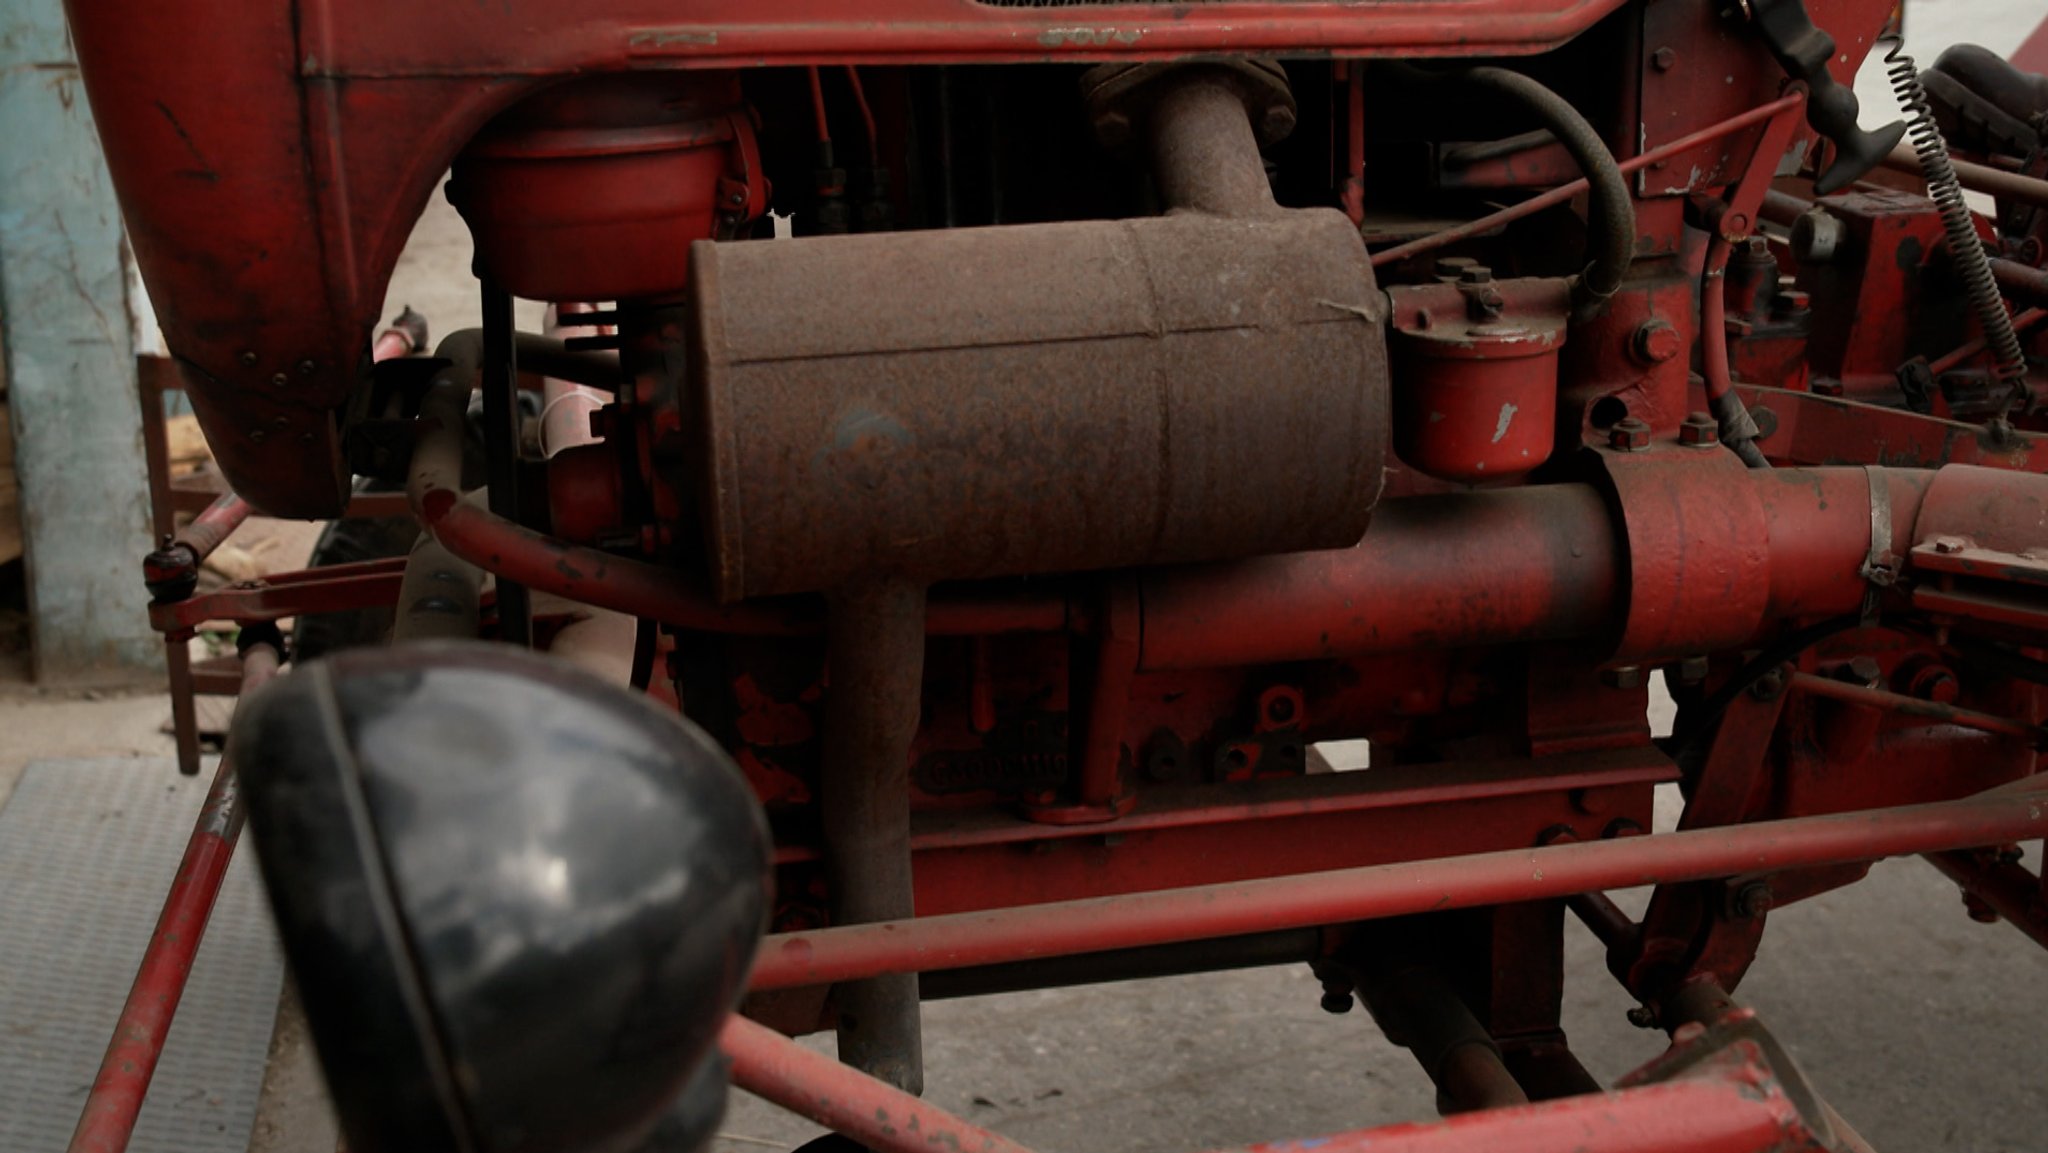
(1207, 384)
(877, 412)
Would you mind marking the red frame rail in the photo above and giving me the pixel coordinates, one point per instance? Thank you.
(118, 1089)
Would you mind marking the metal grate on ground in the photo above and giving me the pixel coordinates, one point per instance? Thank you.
(87, 851)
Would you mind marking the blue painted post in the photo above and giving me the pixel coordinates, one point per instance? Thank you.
(70, 365)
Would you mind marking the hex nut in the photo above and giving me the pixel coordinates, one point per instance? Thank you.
(1629, 435)
(1700, 431)
(1622, 677)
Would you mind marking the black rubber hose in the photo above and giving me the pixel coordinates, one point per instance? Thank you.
(1611, 218)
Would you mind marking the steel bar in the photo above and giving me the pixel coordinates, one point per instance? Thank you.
(1262, 950)
(1915, 707)
(879, 1116)
(2028, 190)
(335, 588)
(1602, 917)
(2021, 280)
(827, 956)
(122, 1082)
(1565, 192)
(500, 384)
(2008, 889)
(1718, 1115)
(2021, 322)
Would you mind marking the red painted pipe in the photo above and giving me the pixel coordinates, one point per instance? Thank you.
(1062, 928)
(1741, 1111)
(214, 525)
(1855, 694)
(2008, 889)
(1748, 1114)
(840, 1097)
(108, 1120)
(1520, 564)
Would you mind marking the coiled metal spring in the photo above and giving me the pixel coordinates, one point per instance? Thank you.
(1965, 248)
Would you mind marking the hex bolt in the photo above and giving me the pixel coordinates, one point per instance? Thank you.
(1656, 341)
(1791, 302)
(1699, 431)
(1979, 912)
(279, 379)
(1934, 683)
(1693, 670)
(1622, 677)
(1863, 670)
(1663, 59)
(1768, 686)
(248, 358)
(1475, 274)
(1753, 900)
(1629, 435)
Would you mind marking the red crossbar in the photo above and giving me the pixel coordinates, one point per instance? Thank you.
(108, 1120)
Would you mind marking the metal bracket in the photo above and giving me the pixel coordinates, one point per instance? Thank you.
(1880, 567)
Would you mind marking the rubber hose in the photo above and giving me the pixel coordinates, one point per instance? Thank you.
(1611, 218)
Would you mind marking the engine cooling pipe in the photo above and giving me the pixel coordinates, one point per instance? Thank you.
(1684, 552)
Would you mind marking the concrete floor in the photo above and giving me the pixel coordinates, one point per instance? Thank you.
(1921, 1027)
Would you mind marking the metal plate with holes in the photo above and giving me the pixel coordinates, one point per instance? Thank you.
(87, 850)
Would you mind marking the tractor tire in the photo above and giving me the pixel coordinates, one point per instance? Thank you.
(346, 542)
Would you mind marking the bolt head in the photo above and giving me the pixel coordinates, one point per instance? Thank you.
(1699, 430)
(1656, 341)
(1791, 302)
(1629, 435)
(1936, 684)
(1475, 274)
(1692, 670)
(1663, 59)
(1622, 677)
(1768, 686)
(1753, 901)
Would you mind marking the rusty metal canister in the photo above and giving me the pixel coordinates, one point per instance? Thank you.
(1476, 366)
(1033, 399)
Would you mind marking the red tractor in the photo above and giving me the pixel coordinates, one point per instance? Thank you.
(1020, 433)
